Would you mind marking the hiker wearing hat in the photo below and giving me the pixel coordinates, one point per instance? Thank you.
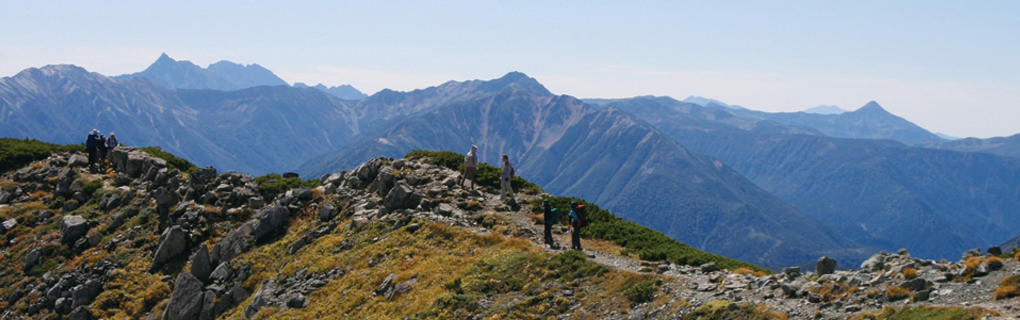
(111, 143)
(470, 166)
(506, 190)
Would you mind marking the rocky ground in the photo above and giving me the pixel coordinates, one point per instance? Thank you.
(207, 219)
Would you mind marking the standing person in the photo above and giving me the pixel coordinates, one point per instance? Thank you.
(111, 143)
(101, 145)
(506, 191)
(470, 166)
(91, 145)
(576, 222)
(552, 216)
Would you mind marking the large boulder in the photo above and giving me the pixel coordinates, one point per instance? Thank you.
(73, 228)
(201, 265)
(264, 297)
(174, 243)
(401, 196)
(825, 265)
(270, 222)
(236, 241)
(186, 300)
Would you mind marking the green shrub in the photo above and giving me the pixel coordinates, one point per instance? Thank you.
(273, 184)
(487, 175)
(641, 292)
(17, 153)
(172, 161)
(89, 188)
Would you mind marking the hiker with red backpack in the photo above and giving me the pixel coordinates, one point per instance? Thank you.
(578, 220)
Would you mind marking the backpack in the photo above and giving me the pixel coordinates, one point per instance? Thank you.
(582, 216)
(554, 216)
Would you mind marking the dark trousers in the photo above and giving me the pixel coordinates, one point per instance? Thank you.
(548, 234)
(575, 239)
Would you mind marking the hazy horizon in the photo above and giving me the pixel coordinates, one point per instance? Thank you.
(948, 67)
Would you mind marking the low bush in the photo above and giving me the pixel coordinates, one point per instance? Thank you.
(172, 161)
(641, 292)
(487, 175)
(273, 184)
(1008, 288)
(17, 153)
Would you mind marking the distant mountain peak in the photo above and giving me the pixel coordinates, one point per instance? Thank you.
(827, 110)
(514, 79)
(223, 75)
(872, 106)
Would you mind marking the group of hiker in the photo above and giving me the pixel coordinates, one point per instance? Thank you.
(578, 218)
(99, 148)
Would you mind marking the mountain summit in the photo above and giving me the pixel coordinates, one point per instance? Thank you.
(223, 75)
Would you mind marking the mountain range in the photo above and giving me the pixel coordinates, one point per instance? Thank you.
(878, 193)
(773, 189)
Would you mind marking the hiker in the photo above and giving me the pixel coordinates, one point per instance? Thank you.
(470, 166)
(577, 221)
(552, 216)
(101, 145)
(91, 145)
(111, 143)
(506, 191)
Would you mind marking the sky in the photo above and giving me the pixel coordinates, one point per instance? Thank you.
(949, 66)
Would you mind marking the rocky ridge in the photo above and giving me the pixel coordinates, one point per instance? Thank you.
(194, 242)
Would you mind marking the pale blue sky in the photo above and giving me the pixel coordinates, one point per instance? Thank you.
(949, 66)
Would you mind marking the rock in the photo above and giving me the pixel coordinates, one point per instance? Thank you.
(922, 295)
(995, 251)
(263, 298)
(5, 197)
(201, 265)
(73, 228)
(174, 243)
(825, 265)
(80, 313)
(109, 201)
(875, 263)
(8, 224)
(385, 285)
(400, 196)
(256, 202)
(327, 212)
(916, 284)
(32, 259)
(304, 194)
(186, 299)
(270, 222)
(83, 294)
(383, 182)
(709, 267)
(236, 241)
(994, 264)
(412, 228)
(77, 160)
(791, 272)
(223, 272)
(297, 301)
(208, 311)
(203, 175)
(971, 253)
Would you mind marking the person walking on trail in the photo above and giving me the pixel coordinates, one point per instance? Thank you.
(576, 222)
(506, 191)
(91, 145)
(470, 166)
(552, 216)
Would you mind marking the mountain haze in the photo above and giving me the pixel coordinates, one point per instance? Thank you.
(609, 157)
(876, 192)
(223, 75)
(868, 122)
